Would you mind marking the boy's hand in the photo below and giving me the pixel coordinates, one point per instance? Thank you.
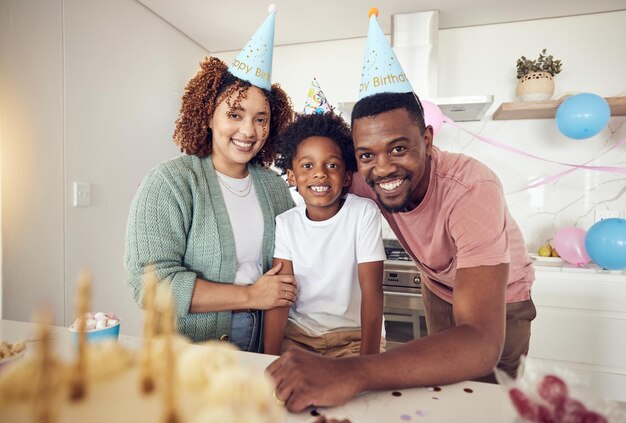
(273, 290)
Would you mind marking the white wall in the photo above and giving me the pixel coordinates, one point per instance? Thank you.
(91, 89)
(92, 93)
(125, 73)
(473, 60)
(481, 60)
(31, 118)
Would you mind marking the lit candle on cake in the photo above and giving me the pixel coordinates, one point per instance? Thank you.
(43, 406)
(171, 416)
(147, 379)
(78, 386)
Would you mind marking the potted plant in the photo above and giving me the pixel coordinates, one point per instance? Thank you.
(535, 78)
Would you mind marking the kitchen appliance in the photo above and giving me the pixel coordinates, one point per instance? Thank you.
(402, 288)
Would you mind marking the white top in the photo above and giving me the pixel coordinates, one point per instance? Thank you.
(246, 219)
(325, 257)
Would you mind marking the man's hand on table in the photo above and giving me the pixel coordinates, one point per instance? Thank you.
(305, 379)
(323, 419)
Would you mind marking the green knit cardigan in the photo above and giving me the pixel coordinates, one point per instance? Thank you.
(178, 222)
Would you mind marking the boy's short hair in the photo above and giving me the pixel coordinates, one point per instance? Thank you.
(383, 102)
(326, 125)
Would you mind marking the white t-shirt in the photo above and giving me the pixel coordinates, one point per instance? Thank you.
(246, 219)
(325, 257)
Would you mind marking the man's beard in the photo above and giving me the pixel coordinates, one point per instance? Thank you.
(396, 209)
(402, 207)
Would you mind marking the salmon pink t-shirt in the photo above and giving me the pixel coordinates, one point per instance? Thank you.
(463, 221)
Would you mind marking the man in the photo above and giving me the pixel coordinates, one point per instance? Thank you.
(449, 213)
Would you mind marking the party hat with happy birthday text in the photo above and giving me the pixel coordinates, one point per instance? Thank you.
(316, 101)
(254, 62)
(382, 72)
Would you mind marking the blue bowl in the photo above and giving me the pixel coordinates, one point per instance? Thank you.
(97, 335)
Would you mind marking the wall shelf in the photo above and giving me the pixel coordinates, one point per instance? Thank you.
(547, 109)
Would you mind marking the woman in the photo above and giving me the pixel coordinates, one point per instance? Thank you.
(205, 220)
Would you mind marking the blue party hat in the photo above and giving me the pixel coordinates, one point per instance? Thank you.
(254, 63)
(382, 72)
(316, 101)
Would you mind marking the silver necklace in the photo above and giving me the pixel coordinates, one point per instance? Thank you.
(239, 193)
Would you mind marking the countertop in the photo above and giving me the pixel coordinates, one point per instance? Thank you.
(557, 264)
(467, 401)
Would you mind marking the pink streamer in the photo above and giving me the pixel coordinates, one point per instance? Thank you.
(548, 179)
(616, 169)
(558, 176)
(545, 180)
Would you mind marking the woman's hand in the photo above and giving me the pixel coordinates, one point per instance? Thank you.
(273, 290)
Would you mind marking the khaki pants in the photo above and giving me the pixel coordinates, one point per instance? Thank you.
(333, 344)
(439, 317)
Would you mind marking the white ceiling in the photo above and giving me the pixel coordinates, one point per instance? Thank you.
(227, 25)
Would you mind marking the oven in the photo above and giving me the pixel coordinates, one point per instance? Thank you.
(402, 288)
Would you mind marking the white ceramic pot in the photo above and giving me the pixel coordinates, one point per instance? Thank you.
(535, 86)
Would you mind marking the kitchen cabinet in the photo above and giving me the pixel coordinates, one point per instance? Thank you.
(547, 109)
(581, 325)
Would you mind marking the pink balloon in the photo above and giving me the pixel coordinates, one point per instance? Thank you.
(432, 116)
(570, 244)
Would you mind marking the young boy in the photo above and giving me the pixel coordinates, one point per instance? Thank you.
(332, 244)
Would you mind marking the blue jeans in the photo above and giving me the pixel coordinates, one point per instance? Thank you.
(245, 329)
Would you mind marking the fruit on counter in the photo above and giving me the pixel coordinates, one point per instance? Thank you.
(545, 250)
(554, 253)
(526, 408)
(553, 404)
(552, 389)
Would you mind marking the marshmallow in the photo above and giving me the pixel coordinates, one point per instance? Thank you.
(99, 320)
(90, 324)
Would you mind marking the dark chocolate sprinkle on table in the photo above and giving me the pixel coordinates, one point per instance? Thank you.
(315, 413)
(468, 390)
(396, 394)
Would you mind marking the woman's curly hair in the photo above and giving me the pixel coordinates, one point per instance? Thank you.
(327, 125)
(201, 97)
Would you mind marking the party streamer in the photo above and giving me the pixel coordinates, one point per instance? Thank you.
(614, 169)
(558, 176)
(548, 179)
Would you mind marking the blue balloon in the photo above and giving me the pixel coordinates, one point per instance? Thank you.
(582, 116)
(606, 243)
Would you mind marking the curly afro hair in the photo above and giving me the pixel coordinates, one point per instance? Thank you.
(326, 125)
(202, 96)
(384, 102)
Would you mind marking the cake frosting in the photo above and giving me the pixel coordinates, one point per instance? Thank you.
(210, 385)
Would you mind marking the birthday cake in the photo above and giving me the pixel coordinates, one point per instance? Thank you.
(209, 385)
(168, 379)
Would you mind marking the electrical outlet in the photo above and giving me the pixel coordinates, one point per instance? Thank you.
(82, 194)
(606, 214)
